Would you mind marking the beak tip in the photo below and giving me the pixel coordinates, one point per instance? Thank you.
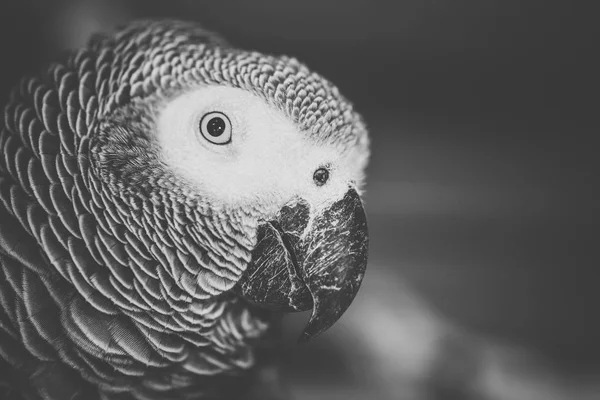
(309, 333)
(304, 338)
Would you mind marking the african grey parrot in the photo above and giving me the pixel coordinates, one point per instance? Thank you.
(163, 198)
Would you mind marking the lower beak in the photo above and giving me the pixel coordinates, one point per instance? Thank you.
(303, 261)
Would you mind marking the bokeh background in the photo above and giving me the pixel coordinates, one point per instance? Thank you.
(482, 193)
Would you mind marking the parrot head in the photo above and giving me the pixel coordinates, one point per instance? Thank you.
(247, 167)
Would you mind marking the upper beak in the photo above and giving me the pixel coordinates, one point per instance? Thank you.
(303, 261)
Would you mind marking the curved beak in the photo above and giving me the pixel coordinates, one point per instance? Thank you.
(303, 261)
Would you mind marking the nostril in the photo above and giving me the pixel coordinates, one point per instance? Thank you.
(321, 176)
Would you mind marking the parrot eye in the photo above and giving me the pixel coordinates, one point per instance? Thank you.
(216, 127)
(321, 176)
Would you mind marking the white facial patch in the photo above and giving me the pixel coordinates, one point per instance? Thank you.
(267, 160)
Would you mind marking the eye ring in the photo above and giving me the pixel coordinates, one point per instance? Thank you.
(321, 176)
(215, 127)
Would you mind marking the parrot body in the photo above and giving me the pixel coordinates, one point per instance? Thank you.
(139, 260)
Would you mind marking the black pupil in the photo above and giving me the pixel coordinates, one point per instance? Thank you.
(321, 176)
(216, 126)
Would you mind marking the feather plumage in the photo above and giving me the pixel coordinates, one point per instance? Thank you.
(115, 278)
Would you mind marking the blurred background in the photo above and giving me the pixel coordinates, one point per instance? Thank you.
(482, 197)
